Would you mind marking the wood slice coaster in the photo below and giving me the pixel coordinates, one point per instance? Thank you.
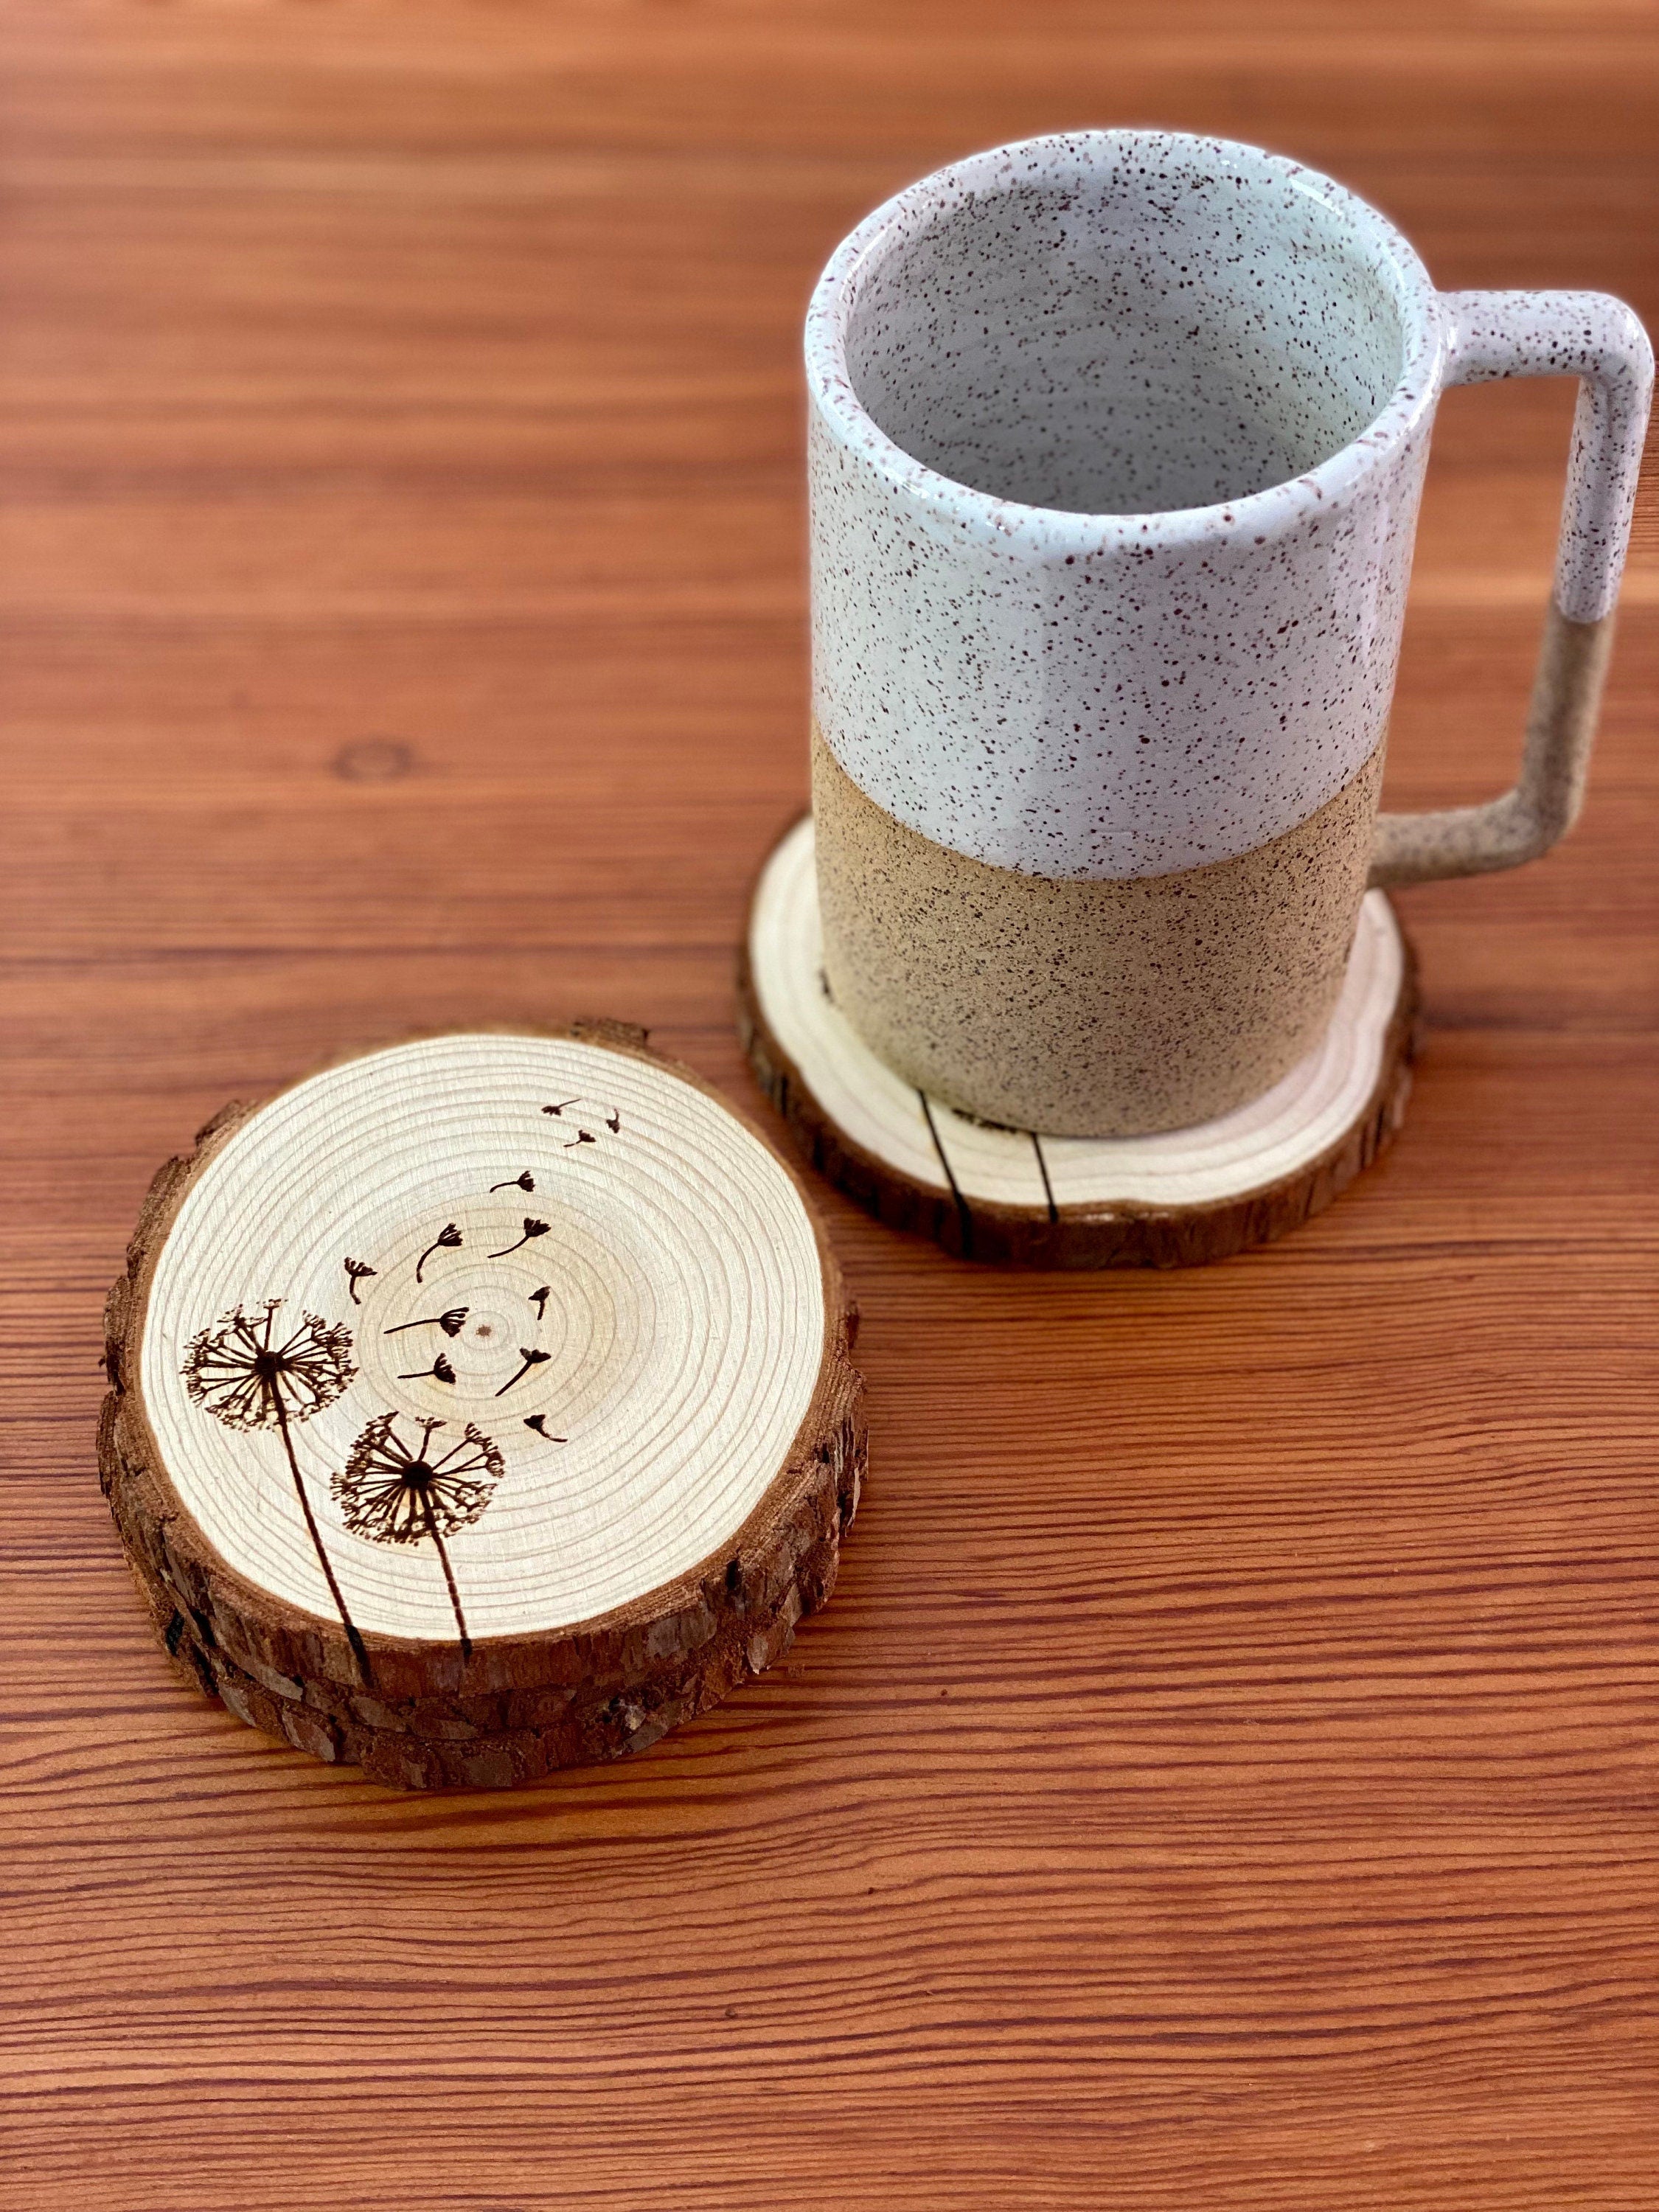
(481, 1406)
(1017, 1198)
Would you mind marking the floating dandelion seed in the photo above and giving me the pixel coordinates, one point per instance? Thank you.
(525, 1181)
(531, 1358)
(439, 1371)
(450, 1322)
(249, 1377)
(581, 1137)
(539, 1299)
(447, 1239)
(538, 1422)
(612, 1119)
(393, 1493)
(531, 1229)
(355, 1271)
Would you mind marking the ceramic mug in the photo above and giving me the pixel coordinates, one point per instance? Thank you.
(1116, 446)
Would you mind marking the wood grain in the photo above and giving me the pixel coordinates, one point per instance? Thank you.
(1012, 1198)
(1227, 1770)
(648, 1559)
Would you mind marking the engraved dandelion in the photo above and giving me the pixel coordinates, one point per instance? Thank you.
(439, 1371)
(393, 1492)
(250, 1373)
(611, 1116)
(530, 1355)
(448, 1239)
(452, 1323)
(532, 1229)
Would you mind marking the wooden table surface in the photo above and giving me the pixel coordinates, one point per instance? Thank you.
(1227, 1772)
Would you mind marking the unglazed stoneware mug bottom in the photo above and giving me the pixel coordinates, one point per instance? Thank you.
(1016, 1197)
(1104, 1008)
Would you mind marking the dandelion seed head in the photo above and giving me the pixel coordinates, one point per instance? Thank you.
(249, 1371)
(398, 1490)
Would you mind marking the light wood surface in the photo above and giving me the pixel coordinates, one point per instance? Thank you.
(1226, 1773)
(420, 1480)
(1024, 1197)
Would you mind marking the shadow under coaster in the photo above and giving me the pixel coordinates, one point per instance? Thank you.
(1015, 1197)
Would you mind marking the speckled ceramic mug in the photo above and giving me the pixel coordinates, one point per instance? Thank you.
(1117, 440)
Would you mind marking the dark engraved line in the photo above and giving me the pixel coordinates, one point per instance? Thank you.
(531, 1229)
(523, 1182)
(538, 1422)
(393, 1493)
(359, 1651)
(355, 1271)
(450, 1322)
(245, 1381)
(449, 1577)
(539, 1299)
(1042, 1169)
(531, 1358)
(963, 1217)
(441, 1371)
(448, 1238)
(612, 1118)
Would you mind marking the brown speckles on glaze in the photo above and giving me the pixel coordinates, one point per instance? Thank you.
(1115, 449)
(1087, 1009)
(1471, 840)
(1115, 446)
(1598, 340)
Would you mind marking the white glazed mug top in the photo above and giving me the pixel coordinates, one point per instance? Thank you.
(1117, 440)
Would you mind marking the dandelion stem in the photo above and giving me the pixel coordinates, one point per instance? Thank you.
(531, 1229)
(449, 1577)
(531, 1358)
(359, 1652)
(439, 1371)
(448, 1239)
(457, 1315)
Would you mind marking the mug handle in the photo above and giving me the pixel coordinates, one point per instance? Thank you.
(1597, 340)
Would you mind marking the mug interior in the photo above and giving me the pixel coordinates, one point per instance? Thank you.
(1130, 333)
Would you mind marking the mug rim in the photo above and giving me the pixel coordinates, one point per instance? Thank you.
(1016, 526)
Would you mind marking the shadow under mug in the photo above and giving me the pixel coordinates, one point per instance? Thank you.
(1116, 445)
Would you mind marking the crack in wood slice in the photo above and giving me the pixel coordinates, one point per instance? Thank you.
(1020, 1199)
(612, 1479)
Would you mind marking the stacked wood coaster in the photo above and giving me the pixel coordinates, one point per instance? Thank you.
(481, 1406)
(1018, 1198)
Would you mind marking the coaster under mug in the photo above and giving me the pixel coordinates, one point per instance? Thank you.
(1016, 1197)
